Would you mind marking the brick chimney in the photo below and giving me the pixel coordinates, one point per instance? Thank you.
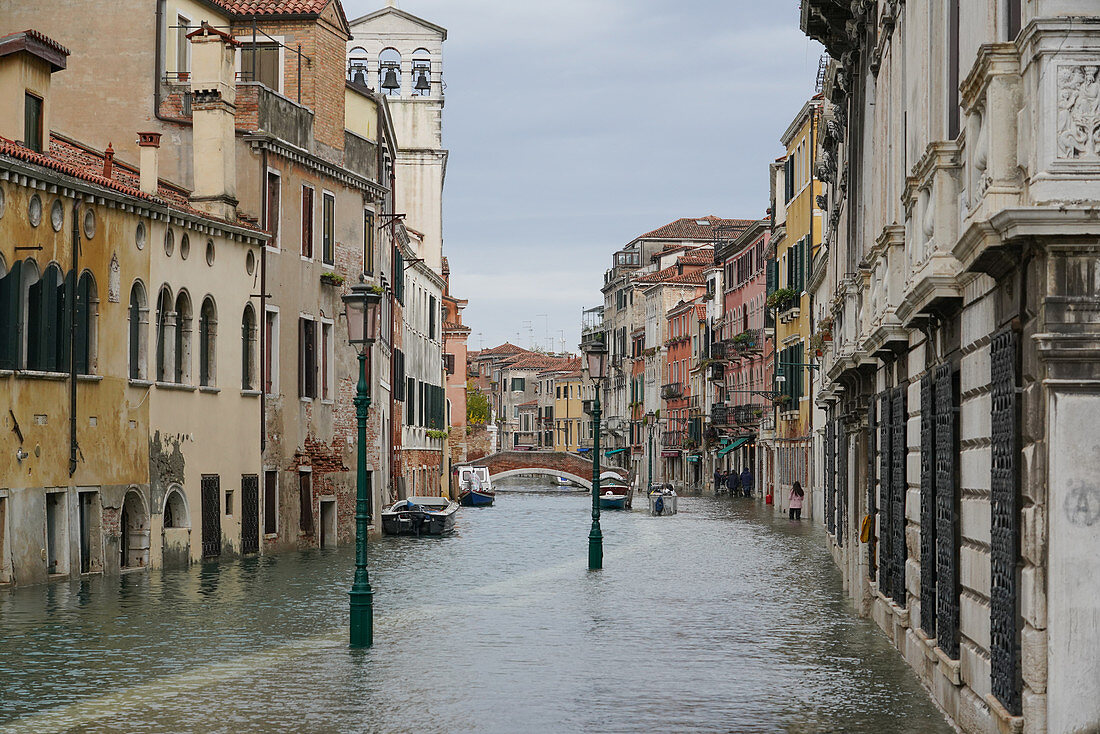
(150, 164)
(213, 105)
(108, 161)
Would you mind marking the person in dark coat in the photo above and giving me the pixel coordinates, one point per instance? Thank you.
(733, 482)
(746, 481)
(718, 479)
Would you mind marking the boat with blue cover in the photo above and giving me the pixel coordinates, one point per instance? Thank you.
(474, 487)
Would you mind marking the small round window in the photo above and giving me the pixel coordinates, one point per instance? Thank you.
(210, 252)
(139, 236)
(250, 262)
(185, 247)
(57, 215)
(89, 223)
(169, 242)
(34, 211)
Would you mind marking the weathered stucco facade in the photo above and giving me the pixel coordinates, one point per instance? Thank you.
(961, 270)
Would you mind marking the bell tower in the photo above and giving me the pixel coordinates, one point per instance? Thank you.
(401, 56)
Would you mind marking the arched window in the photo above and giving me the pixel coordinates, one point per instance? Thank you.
(248, 348)
(166, 336)
(182, 374)
(139, 317)
(86, 316)
(208, 332)
(9, 314)
(389, 72)
(175, 509)
(47, 342)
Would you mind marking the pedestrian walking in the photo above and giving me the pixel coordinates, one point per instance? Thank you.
(796, 501)
(733, 482)
(746, 481)
(718, 480)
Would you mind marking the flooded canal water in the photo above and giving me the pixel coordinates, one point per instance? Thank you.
(722, 618)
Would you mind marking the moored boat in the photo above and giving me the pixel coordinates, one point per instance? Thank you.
(474, 487)
(613, 497)
(420, 516)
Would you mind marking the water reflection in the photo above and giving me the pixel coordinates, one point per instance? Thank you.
(721, 618)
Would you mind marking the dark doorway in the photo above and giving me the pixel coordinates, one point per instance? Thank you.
(250, 514)
(211, 516)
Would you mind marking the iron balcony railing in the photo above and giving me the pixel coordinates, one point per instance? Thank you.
(672, 439)
(672, 390)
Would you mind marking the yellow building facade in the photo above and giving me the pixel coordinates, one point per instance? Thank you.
(568, 413)
(796, 237)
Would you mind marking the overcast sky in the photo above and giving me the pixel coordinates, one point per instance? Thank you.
(574, 126)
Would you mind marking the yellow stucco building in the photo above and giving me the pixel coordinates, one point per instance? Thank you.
(796, 237)
(568, 413)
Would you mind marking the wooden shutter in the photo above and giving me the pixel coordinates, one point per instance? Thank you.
(9, 317)
(273, 207)
(269, 350)
(61, 325)
(301, 358)
(270, 501)
(83, 318)
(305, 502)
(35, 348)
(307, 222)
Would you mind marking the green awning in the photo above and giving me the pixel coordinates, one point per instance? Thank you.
(612, 452)
(694, 458)
(739, 442)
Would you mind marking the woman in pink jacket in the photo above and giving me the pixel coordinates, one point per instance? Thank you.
(796, 501)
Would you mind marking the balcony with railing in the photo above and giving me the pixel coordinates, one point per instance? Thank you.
(672, 391)
(719, 414)
(672, 439)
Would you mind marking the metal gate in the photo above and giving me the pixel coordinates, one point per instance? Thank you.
(211, 516)
(1005, 532)
(927, 507)
(840, 436)
(947, 552)
(871, 428)
(885, 534)
(830, 486)
(897, 492)
(250, 514)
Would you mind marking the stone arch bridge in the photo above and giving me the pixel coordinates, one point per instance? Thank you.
(574, 467)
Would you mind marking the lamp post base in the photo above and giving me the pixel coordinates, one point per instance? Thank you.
(595, 549)
(362, 618)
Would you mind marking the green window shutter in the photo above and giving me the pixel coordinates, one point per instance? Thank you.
(9, 317)
(809, 258)
(772, 276)
(66, 297)
(82, 315)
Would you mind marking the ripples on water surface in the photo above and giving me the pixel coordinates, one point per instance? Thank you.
(721, 618)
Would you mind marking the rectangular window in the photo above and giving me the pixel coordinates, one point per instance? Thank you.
(328, 229)
(274, 187)
(260, 63)
(519, 384)
(953, 69)
(32, 122)
(307, 358)
(410, 402)
(1013, 19)
(183, 48)
(307, 222)
(328, 359)
(432, 318)
(271, 502)
(368, 242)
(305, 501)
(271, 352)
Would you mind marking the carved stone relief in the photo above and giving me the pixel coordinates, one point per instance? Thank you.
(1079, 112)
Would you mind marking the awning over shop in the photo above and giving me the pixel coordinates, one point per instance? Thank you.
(612, 452)
(736, 444)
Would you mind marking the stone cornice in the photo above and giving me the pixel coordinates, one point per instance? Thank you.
(994, 59)
(939, 155)
(262, 141)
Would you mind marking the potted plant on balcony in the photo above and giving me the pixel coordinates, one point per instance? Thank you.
(780, 296)
(744, 341)
(330, 278)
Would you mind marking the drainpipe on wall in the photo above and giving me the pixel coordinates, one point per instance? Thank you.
(261, 321)
(394, 427)
(73, 447)
(158, 62)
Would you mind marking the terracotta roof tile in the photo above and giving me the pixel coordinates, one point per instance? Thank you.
(273, 7)
(673, 274)
(85, 164)
(689, 228)
(535, 361)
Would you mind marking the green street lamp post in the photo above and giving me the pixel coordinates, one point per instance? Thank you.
(651, 422)
(362, 308)
(595, 354)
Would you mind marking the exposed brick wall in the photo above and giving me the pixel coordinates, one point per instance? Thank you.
(557, 461)
(478, 442)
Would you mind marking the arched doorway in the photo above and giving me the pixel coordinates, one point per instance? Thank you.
(134, 532)
(176, 533)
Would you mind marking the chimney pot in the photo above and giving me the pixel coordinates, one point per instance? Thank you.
(108, 161)
(149, 163)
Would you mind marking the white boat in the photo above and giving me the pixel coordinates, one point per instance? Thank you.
(420, 516)
(662, 500)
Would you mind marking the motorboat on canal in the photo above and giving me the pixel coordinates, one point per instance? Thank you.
(662, 500)
(474, 487)
(420, 516)
(613, 495)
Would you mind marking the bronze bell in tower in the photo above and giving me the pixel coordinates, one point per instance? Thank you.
(389, 81)
(423, 86)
